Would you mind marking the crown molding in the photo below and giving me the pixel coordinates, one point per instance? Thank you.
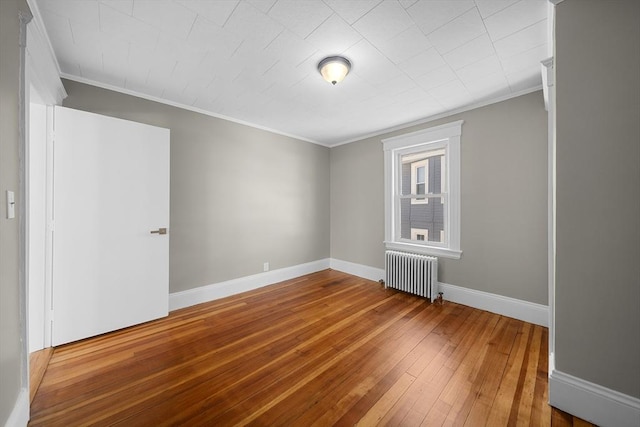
(441, 115)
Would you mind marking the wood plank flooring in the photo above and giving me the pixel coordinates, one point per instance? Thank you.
(323, 349)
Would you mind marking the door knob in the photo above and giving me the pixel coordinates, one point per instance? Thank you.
(159, 231)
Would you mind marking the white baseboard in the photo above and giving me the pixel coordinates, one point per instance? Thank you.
(235, 286)
(537, 314)
(592, 402)
(518, 309)
(19, 417)
(359, 270)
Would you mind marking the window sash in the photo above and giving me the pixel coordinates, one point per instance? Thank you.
(445, 137)
(426, 242)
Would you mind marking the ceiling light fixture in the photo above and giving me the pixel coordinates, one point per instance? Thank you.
(334, 68)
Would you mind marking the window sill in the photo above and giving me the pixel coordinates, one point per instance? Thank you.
(425, 250)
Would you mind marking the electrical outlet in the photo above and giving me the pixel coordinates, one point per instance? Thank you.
(265, 266)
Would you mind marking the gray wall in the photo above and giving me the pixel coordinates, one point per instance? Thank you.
(504, 200)
(598, 192)
(10, 331)
(239, 196)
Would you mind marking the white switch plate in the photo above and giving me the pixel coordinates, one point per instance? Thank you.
(11, 205)
(265, 266)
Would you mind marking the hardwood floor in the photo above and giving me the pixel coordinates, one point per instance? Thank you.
(38, 362)
(323, 349)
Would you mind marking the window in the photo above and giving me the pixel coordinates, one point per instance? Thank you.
(422, 191)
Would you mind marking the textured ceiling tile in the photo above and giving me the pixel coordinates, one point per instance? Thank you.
(262, 5)
(177, 94)
(524, 79)
(516, 17)
(208, 36)
(217, 11)
(430, 15)
(398, 84)
(102, 76)
(470, 52)
(171, 47)
(253, 58)
(491, 82)
(165, 15)
(484, 67)
(490, 7)
(124, 6)
(459, 31)
(136, 72)
(408, 43)
(120, 25)
(474, 83)
(89, 58)
(86, 11)
(141, 86)
(529, 59)
(409, 96)
(422, 63)
(407, 3)
(300, 16)
(451, 95)
(384, 22)
(352, 10)
(58, 29)
(436, 78)
(240, 62)
(451, 89)
(189, 69)
(370, 64)
(88, 38)
(253, 25)
(523, 40)
(160, 74)
(334, 36)
(290, 48)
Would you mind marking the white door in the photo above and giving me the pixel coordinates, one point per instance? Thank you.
(111, 191)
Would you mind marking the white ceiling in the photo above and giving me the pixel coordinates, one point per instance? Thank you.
(255, 61)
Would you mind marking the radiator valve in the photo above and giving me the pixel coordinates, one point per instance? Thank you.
(439, 299)
(381, 281)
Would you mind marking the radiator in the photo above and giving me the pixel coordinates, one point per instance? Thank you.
(413, 273)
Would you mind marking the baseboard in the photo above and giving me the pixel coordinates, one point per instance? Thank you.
(19, 417)
(518, 309)
(359, 270)
(592, 402)
(537, 314)
(227, 288)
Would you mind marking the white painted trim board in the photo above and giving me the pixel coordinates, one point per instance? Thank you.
(592, 402)
(511, 307)
(19, 416)
(371, 273)
(227, 288)
(537, 314)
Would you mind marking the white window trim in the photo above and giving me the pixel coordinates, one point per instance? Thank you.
(447, 135)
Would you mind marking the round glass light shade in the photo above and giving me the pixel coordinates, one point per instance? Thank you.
(334, 69)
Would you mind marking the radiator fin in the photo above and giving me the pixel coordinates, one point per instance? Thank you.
(413, 273)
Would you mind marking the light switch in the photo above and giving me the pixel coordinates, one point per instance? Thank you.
(11, 205)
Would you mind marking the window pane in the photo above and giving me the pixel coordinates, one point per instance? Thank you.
(421, 220)
(423, 173)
